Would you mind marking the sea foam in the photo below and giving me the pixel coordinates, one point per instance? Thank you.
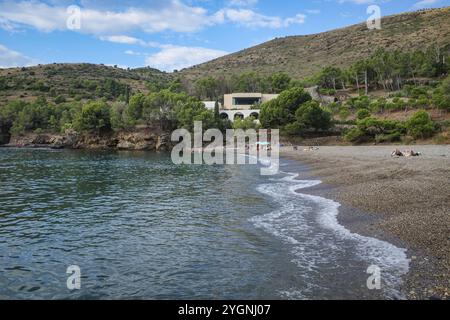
(310, 226)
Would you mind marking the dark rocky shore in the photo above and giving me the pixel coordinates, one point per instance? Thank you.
(139, 140)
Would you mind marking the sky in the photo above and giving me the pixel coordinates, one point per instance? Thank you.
(167, 34)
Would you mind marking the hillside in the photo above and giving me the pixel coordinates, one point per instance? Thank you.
(298, 56)
(73, 81)
(303, 56)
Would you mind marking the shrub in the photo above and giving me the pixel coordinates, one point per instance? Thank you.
(369, 129)
(355, 135)
(94, 117)
(361, 102)
(334, 107)
(420, 125)
(247, 123)
(311, 115)
(363, 113)
(292, 129)
(327, 92)
(344, 113)
(393, 137)
(423, 102)
(293, 98)
(60, 99)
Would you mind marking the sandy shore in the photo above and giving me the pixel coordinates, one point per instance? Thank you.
(402, 200)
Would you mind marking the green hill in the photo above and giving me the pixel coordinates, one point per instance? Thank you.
(303, 56)
(75, 81)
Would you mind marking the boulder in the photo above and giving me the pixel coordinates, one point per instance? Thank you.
(136, 141)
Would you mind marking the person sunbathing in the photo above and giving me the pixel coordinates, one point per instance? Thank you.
(406, 153)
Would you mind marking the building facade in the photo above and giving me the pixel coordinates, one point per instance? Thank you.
(245, 101)
(241, 105)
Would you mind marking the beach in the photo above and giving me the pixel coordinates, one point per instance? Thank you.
(403, 200)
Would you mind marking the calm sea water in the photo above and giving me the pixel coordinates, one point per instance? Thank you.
(140, 227)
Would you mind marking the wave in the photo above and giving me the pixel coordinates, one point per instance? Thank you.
(310, 226)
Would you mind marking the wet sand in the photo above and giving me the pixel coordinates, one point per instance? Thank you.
(403, 200)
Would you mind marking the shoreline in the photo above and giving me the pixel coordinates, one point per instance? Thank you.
(398, 200)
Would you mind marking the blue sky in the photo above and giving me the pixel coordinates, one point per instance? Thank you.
(167, 34)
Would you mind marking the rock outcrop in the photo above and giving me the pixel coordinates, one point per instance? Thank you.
(137, 141)
(142, 140)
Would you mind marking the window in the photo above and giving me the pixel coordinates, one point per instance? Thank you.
(246, 101)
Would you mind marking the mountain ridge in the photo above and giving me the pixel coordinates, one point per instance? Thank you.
(304, 55)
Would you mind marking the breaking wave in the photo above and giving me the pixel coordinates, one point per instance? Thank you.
(331, 259)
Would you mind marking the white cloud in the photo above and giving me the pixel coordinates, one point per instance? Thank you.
(252, 19)
(243, 3)
(425, 3)
(123, 39)
(178, 57)
(132, 53)
(171, 15)
(174, 16)
(11, 59)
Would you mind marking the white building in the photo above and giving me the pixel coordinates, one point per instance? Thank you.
(240, 105)
(245, 101)
(211, 105)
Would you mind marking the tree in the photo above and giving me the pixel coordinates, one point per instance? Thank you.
(330, 77)
(176, 86)
(120, 116)
(136, 106)
(420, 125)
(279, 82)
(249, 82)
(93, 117)
(281, 111)
(441, 96)
(207, 88)
(291, 99)
(274, 115)
(160, 107)
(311, 115)
(193, 110)
(360, 73)
(207, 119)
(247, 123)
(217, 111)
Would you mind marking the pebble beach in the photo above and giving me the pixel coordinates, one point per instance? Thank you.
(405, 200)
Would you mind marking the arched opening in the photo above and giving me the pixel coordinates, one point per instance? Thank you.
(224, 116)
(255, 115)
(238, 116)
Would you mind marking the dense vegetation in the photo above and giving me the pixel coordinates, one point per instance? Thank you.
(166, 109)
(406, 80)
